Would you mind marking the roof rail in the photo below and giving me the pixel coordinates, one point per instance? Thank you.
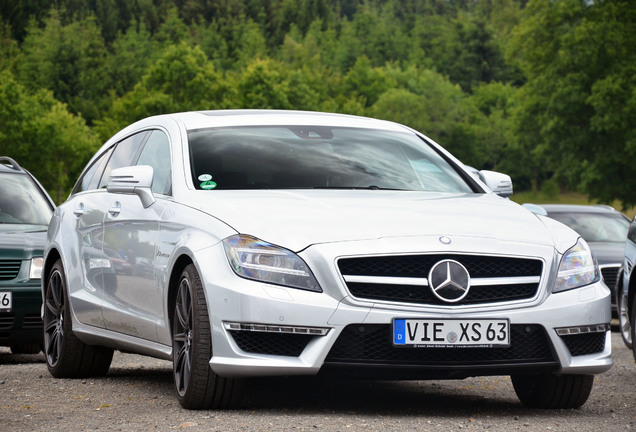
(13, 164)
(605, 206)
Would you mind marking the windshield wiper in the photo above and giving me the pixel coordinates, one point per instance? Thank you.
(371, 187)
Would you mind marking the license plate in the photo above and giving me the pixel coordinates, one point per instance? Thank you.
(5, 301)
(449, 333)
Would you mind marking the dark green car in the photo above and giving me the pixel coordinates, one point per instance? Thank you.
(25, 211)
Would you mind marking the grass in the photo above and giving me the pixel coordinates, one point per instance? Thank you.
(565, 198)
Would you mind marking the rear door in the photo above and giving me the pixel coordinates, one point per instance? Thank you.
(85, 265)
(89, 206)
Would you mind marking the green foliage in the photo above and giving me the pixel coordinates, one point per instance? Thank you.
(182, 79)
(429, 102)
(9, 49)
(132, 53)
(550, 189)
(544, 90)
(574, 110)
(17, 14)
(366, 83)
(495, 101)
(268, 84)
(251, 44)
(70, 60)
(173, 30)
(43, 136)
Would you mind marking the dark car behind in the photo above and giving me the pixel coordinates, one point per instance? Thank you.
(626, 289)
(25, 211)
(604, 229)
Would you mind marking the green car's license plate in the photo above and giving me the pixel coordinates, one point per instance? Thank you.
(5, 301)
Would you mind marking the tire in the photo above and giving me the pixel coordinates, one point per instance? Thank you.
(624, 320)
(25, 349)
(553, 391)
(66, 355)
(196, 385)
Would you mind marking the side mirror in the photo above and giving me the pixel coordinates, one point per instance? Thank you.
(135, 180)
(499, 183)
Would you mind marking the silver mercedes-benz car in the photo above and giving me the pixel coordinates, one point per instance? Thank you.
(270, 243)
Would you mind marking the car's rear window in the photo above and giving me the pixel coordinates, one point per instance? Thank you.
(283, 157)
(595, 227)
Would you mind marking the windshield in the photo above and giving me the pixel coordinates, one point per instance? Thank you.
(595, 227)
(21, 202)
(282, 157)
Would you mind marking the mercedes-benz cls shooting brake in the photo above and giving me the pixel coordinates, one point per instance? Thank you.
(269, 243)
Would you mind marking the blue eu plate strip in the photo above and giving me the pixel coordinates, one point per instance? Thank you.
(399, 332)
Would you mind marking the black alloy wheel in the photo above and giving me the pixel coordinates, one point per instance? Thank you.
(196, 384)
(66, 355)
(54, 317)
(183, 337)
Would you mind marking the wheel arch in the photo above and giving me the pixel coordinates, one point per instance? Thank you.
(52, 257)
(631, 292)
(181, 263)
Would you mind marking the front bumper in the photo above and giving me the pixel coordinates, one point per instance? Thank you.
(261, 329)
(23, 323)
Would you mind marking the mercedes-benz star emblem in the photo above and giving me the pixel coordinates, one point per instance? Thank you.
(449, 281)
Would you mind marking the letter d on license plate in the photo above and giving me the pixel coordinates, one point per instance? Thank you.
(447, 333)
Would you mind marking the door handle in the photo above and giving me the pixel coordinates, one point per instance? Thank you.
(115, 209)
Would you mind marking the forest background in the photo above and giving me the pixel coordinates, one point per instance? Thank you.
(543, 90)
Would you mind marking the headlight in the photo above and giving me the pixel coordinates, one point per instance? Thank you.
(252, 258)
(577, 268)
(35, 271)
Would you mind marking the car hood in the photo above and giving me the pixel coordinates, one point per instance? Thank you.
(22, 241)
(299, 219)
(608, 252)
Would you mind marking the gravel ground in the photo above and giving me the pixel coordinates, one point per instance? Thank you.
(137, 395)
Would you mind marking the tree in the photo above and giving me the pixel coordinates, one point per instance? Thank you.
(43, 136)
(172, 30)
(132, 53)
(9, 49)
(366, 82)
(182, 79)
(264, 86)
(252, 44)
(17, 14)
(577, 107)
(495, 101)
(430, 103)
(71, 61)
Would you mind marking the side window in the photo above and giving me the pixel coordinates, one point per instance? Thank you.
(123, 155)
(156, 153)
(91, 176)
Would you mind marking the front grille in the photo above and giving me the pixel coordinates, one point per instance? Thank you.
(283, 344)
(586, 343)
(372, 344)
(423, 295)
(419, 266)
(610, 276)
(32, 322)
(9, 269)
(6, 321)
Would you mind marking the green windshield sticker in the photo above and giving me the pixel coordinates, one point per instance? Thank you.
(208, 185)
